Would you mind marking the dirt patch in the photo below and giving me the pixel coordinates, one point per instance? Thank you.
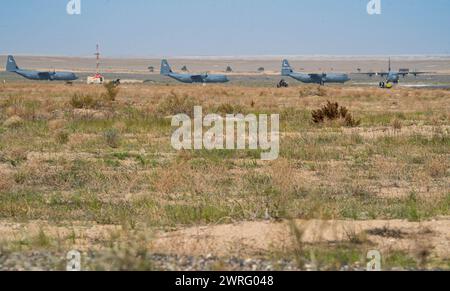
(84, 236)
(250, 238)
(407, 131)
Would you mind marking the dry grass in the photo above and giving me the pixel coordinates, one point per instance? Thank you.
(74, 159)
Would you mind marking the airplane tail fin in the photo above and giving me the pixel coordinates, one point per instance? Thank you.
(11, 65)
(165, 68)
(286, 69)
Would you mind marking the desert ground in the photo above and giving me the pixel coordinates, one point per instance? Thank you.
(83, 169)
(240, 65)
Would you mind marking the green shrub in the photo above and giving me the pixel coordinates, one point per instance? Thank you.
(62, 137)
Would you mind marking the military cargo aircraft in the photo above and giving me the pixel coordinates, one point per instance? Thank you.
(393, 77)
(191, 78)
(321, 79)
(12, 67)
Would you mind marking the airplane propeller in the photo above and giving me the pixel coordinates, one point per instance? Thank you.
(324, 76)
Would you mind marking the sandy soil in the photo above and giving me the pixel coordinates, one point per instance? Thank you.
(255, 238)
(249, 238)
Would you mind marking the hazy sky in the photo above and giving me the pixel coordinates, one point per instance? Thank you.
(224, 27)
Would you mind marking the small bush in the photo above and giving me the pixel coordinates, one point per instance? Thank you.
(349, 121)
(80, 101)
(42, 240)
(112, 90)
(437, 168)
(62, 137)
(20, 177)
(228, 108)
(321, 91)
(112, 138)
(175, 104)
(14, 157)
(13, 122)
(396, 124)
(331, 112)
(23, 108)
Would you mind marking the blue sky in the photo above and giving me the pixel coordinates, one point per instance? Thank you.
(224, 27)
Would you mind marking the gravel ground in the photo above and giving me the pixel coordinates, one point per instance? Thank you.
(50, 261)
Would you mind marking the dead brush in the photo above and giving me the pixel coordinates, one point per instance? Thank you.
(112, 138)
(112, 90)
(80, 101)
(297, 233)
(6, 183)
(334, 112)
(62, 137)
(228, 108)
(397, 124)
(354, 237)
(21, 107)
(309, 91)
(175, 104)
(14, 157)
(321, 92)
(436, 168)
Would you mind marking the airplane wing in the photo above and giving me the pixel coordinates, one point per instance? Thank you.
(415, 74)
(371, 74)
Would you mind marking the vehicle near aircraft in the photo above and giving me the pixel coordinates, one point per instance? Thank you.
(392, 77)
(12, 67)
(313, 78)
(282, 84)
(191, 78)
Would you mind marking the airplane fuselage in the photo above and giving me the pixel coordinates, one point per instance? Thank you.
(393, 77)
(320, 78)
(187, 78)
(47, 76)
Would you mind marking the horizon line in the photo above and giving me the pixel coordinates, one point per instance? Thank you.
(243, 57)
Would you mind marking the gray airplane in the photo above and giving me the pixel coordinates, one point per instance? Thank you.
(321, 79)
(190, 78)
(12, 67)
(392, 76)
